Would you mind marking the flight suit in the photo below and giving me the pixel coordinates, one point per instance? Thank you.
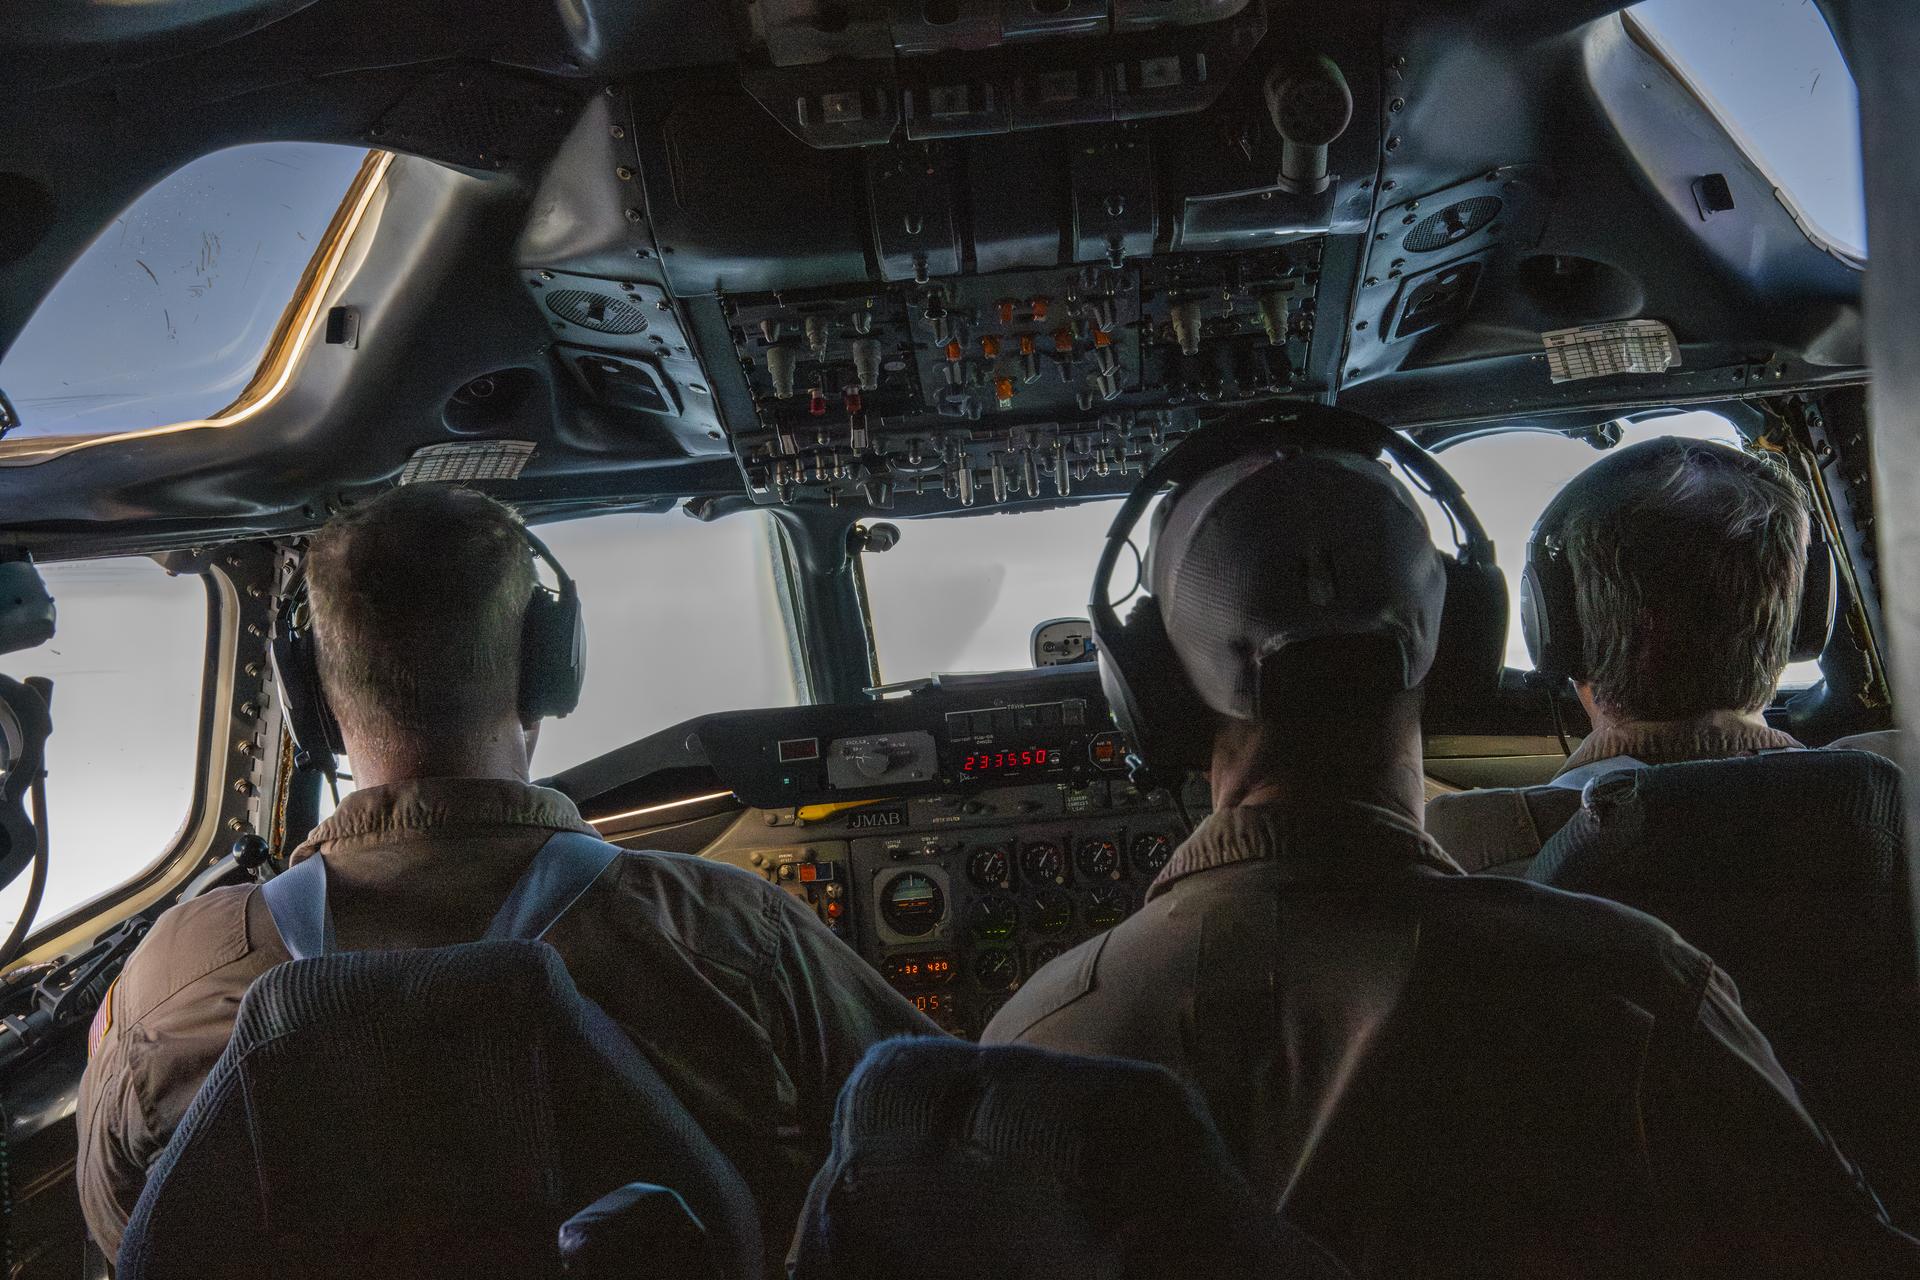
(1437, 1074)
(752, 1011)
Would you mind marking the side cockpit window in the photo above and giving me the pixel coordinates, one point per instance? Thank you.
(128, 665)
(165, 318)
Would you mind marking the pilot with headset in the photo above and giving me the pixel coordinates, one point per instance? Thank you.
(1672, 582)
(430, 656)
(1435, 1074)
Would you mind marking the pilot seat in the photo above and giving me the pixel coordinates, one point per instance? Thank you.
(1789, 869)
(448, 1112)
(953, 1161)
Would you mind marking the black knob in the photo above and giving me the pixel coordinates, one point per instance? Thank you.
(250, 852)
(1311, 106)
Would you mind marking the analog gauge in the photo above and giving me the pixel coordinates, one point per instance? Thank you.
(1107, 906)
(1150, 853)
(1050, 911)
(912, 904)
(996, 970)
(1046, 951)
(994, 918)
(1043, 863)
(990, 867)
(1099, 860)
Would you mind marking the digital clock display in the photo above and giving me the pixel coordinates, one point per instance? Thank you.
(1010, 761)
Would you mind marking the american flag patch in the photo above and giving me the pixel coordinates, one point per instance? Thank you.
(102, 1019)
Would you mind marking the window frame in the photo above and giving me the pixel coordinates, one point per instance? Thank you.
(217, 739)
(1642, 34)
(291, 338)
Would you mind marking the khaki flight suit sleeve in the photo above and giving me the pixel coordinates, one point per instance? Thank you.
(163, 1025)
(834, 1006)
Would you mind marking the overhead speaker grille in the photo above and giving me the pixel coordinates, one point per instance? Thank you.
(596, 311)
(1452, 224)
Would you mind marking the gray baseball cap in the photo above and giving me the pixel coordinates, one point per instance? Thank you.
(1274, 550)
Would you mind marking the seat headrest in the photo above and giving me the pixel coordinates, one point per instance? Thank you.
(956, 1160)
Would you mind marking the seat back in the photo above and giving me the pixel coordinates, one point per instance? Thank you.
(425, 1113)
(1790, 870)
(953, 1161)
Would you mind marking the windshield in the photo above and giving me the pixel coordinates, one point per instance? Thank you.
(964, 594)
(1770, 71)
(166, 315)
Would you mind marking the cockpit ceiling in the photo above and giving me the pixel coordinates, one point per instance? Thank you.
(920, 254)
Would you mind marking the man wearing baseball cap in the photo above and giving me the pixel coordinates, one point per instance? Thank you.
(1433, 1073)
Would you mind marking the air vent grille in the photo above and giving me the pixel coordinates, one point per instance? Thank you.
(1452, 224)
(596, 311)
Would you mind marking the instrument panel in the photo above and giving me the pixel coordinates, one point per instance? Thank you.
(958, 900)
(958, 836)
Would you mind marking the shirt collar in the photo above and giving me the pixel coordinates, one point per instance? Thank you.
(1346, 836)
(443, 806)
(1713, 736)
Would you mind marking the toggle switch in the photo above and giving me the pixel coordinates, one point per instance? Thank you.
(866, 362)
(780, 365)
(1185, 315)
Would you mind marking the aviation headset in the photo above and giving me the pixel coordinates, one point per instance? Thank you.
(1152, 700)
(24, 726)
(552, 662)
(1549, 602)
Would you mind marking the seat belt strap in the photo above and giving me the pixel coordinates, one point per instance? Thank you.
(564, 869)
(1577, 779)
(297, 899)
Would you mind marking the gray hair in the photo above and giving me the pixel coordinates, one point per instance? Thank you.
(418, 602)
(1687, 565)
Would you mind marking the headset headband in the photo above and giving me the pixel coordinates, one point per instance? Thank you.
(539, 548)
(1312, 426)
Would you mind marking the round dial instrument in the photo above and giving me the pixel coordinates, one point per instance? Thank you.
(994, 918)
(990, 867)
(1150, 853)
(912, 904)
(1044, 952)
(997, 969)
(1107, 906)
(1050, 911)
(1099, 860)
(1043, 863)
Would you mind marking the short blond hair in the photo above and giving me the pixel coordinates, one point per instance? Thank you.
(419, 599)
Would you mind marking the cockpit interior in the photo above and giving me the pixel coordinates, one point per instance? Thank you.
(820, 340)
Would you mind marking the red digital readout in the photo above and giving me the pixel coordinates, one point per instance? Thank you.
(1009, 761)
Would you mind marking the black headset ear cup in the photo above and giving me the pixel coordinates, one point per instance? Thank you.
(296, 670)
(553, 651)
(1471, 651)
(1819, 603)
(1152, 700)
(1550, 611)
(24, 726)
